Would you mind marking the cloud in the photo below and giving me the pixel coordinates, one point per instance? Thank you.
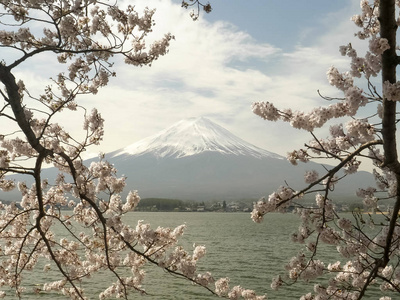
(197, 77)
(218, 70)
(215, 70)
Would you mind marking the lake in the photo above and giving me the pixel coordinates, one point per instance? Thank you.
(249, 254)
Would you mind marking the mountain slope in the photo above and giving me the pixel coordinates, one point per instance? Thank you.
(198, 159)
(191, 137)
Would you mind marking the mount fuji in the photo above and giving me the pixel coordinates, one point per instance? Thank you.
(196, 159)
(190, 137)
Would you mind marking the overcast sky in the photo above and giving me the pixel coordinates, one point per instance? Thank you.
(244, 51)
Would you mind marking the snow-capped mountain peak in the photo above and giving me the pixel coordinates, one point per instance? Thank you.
(194, 136)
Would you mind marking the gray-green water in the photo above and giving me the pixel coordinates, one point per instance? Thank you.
(249, 254)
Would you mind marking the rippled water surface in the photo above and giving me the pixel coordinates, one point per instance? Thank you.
(250, 254)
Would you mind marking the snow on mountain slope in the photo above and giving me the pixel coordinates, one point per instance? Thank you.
(194, 136)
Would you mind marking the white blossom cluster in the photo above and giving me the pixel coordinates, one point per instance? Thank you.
(277, 201)
(222, 289)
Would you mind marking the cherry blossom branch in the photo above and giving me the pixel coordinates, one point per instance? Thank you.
(195, 15)
(338, 167)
